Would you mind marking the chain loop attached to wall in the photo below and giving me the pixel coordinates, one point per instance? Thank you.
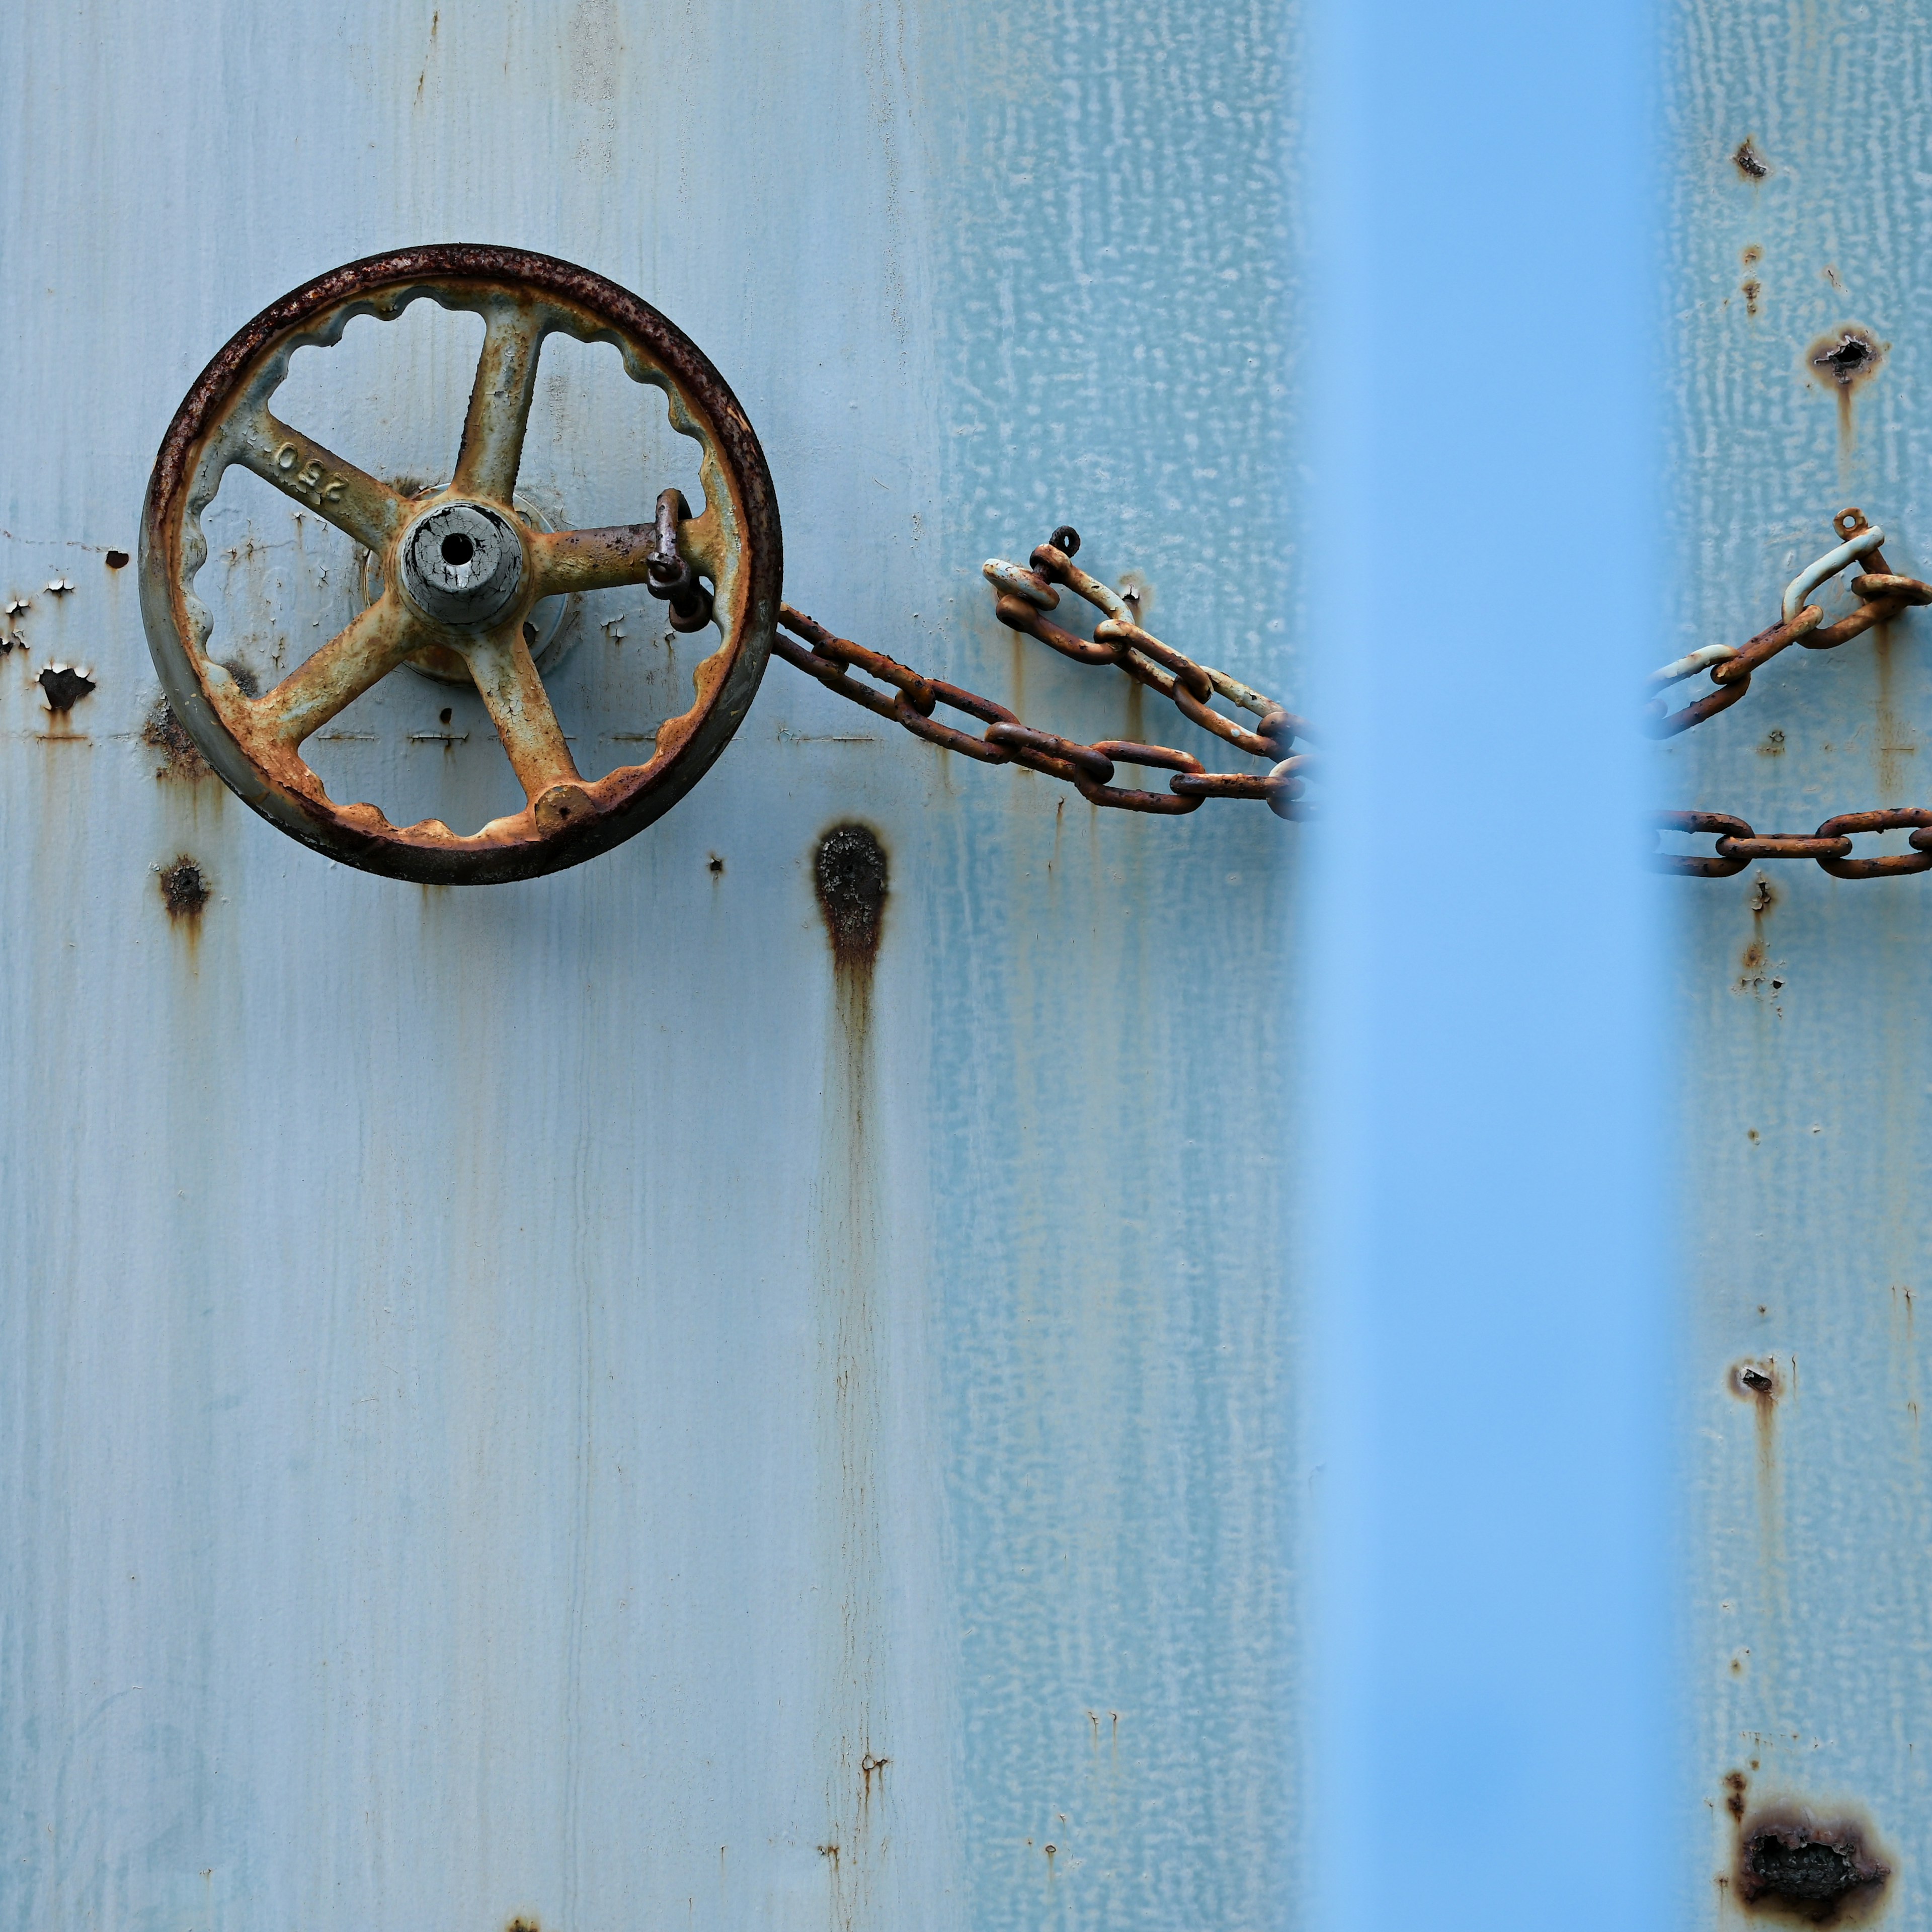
(1882, 596)
(1023, 595)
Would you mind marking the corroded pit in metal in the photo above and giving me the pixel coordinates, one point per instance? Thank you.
(1748, 162)
(65, 685)
(1807, 1870)
(849, 872)
(184, 888)
(1846, 356)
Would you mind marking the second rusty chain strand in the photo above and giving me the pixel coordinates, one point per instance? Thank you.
(1881, 596)
(1022, 597)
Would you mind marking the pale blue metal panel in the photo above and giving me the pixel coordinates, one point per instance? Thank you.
(513, 1396)
(1800, 997)
(1116, 335)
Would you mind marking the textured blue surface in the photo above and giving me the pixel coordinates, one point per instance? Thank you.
(1802, 997)
(511, 1398)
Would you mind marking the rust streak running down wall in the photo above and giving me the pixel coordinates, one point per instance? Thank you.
(850, 874)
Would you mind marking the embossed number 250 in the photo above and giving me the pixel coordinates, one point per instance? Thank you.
(320, 485)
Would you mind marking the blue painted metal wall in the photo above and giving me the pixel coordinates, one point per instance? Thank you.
(1800, 998)
(512, 1396)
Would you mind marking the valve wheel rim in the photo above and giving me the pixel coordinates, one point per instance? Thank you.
(253, 744)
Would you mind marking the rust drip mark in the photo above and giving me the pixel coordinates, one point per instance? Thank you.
(1755, 960)
(1748, 162)
(63, 686)
(849, 869)
(1801, 1870)
(1760, 1384)
(850, 875)
(181, 756)
(1845, 359)
(184, 889)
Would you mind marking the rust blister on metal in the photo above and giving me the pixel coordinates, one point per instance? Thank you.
(254, 743)
(1797, 1868)
(1845, 357)
(184, 888)
(850, 874)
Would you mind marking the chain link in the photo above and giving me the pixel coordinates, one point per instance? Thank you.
(1882, 596)
(1022, 595)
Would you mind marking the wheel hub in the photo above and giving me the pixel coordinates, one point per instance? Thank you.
(462, 563)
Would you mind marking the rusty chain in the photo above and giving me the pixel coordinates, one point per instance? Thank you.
(1881, 596)
(1022, 597)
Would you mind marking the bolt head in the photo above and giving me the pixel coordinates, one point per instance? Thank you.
(462, 564)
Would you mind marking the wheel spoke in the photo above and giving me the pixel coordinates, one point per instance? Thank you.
(567, 560)
(499, 406)
(352, 660)
(520, 708)
(353, 501)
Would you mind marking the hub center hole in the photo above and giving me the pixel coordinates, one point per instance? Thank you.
(457, 548)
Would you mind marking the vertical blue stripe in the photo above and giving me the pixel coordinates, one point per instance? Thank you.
(1491, 1356)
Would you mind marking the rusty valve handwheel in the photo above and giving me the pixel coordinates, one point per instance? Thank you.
(460, 567)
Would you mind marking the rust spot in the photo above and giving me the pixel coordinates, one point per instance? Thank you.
(1755, 958)
(1753, 256)
(1843, 359)
(117, 559)
(1752, 289)
(167, 734)
(1847, 357)
(1756, 1381)
(523, 1925)
(245, 678)
(849, 869)
(184, 888)
(1772, 747)
(65, 685)
(715, 866)
(1748, 162)
(1809, 1871)
(1735, 1784)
